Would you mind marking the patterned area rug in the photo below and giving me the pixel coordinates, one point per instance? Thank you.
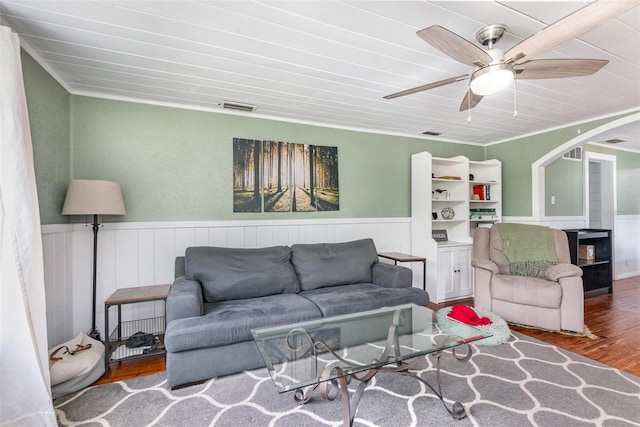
(522, 382)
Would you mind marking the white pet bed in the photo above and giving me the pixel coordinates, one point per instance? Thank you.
(498, 326)
(76, 372)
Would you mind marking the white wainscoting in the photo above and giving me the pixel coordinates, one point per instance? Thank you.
(56, 245)
(138, 254)
(564, 222)
(626, 243)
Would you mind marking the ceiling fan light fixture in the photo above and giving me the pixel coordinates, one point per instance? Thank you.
(491, 79)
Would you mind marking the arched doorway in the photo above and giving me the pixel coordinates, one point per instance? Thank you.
(537, 168)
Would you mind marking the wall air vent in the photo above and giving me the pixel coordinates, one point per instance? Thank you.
(238, 106)
(614, 141)
(430, 133)
(575, 154)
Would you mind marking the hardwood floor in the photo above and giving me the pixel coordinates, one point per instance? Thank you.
(614, 318)
(138, 367)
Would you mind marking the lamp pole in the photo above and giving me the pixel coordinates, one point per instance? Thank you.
(94, 333)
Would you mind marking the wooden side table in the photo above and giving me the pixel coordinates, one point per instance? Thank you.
(129, 296)
(400, 257)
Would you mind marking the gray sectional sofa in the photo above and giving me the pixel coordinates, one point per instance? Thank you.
(220, 294)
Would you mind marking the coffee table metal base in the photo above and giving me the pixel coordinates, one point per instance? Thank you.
(330, 388)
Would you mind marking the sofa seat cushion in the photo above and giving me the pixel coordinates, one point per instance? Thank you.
(320, 265)
(229, 322)
(526, 291)
(239, 273)
(358, 297)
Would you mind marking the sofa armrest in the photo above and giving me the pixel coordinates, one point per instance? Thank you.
(485, 264)
(391, 276)
(572, 305)
(184, 299)
(558, 271)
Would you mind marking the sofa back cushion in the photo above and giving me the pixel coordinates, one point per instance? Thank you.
(320, 265)
(234, 273)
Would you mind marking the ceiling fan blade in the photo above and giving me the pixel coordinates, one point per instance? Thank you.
(428, 86)
(569, 28)
(558, 68)
(470, 100)
(453, 45)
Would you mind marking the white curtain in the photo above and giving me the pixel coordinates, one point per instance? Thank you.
(25, 394)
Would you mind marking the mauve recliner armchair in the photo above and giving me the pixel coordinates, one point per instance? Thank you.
(553, 299)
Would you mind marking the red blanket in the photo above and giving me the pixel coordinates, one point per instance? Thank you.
(465, 314)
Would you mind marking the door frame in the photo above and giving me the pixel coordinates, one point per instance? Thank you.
(609, 179)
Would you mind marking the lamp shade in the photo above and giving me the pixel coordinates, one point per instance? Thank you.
(93, 197)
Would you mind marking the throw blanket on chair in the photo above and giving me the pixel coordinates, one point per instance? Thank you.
(527, 248)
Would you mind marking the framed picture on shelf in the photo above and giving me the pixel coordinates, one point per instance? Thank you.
(439, 235)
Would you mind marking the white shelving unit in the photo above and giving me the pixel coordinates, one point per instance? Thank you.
(439, 185)
(487, 174)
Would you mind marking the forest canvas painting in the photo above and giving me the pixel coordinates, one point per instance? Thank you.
(246, 175)
(276, 176)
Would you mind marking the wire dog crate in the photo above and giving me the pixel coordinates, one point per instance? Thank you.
(118, 339)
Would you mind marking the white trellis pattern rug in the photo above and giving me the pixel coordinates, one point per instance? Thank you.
(520, 383)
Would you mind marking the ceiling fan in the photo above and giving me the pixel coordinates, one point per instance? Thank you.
(495, 69)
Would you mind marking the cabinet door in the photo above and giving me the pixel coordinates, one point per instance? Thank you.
(447, 280)
(464, 271)
(454, 273)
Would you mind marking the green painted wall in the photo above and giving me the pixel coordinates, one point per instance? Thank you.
(48, 105)
(563, 179)
(518, 155)
(176, 164)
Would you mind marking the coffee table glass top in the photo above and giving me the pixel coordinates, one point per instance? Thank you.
(307, 353)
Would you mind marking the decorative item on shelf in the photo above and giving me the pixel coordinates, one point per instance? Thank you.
(94, 197)
(434, 215)
(440, 194)
(475, 197)
(482, 214)
(478, 190)
(482, 191)
(439, 235)
(453, 177)
(471, 178)
(448, 213)
(587, 252)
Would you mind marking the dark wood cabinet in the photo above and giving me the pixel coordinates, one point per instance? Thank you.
(597, 271)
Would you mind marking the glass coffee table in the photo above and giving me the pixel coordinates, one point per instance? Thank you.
(325, 355)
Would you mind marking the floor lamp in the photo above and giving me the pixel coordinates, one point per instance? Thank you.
(94, 197)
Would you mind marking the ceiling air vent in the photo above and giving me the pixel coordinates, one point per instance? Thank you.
(238, 106)
(430, 133)
(614, 141)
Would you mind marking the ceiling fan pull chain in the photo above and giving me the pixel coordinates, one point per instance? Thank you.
(469, 104)
(515, 99)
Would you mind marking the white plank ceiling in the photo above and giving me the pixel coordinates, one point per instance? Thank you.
(327, 62)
